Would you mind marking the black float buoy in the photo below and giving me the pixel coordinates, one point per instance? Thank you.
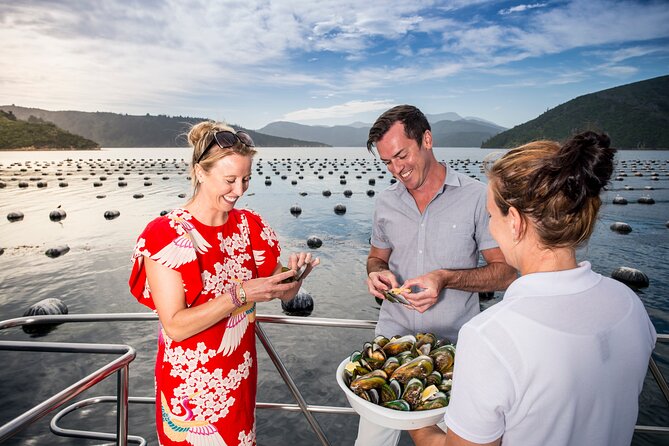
(181, 195)
(340, 209)
(138, 196)
(314, 242)
(621, 227)
(57, 214)
(57, 251)
(268, 182)
(326, 193)
(646, 200)
(46, 307)
(619, 200)
(372, 181)
(295, 210)
(110, 215)
(631, 277)
(300, 305)
(15, 216)
(348, 193)
(164, 212)
(370, 193)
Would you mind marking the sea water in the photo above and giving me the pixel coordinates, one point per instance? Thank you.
(92, 276)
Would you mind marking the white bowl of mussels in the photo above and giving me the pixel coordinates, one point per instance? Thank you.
(401, 383)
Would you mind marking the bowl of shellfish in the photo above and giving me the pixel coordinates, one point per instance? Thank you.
(401, 383)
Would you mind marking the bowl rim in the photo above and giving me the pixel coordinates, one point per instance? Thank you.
(390, 418)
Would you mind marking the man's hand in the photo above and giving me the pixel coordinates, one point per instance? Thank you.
(429, 286)
(379, 281)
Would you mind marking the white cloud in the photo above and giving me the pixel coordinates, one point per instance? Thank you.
(521, 8)
(346, 110)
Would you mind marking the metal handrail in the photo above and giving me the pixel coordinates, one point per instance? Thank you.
(121, 363)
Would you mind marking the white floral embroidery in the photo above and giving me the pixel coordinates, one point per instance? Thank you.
(247, 439)
(208, 391)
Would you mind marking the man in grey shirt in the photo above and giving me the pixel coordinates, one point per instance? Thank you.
(428, 231)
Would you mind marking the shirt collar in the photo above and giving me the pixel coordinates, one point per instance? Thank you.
(452, 179)
(554, 283)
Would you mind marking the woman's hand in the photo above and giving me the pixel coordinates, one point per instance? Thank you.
(298, 260)
(264, 289)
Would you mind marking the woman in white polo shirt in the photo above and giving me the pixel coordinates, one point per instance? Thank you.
(562, 359)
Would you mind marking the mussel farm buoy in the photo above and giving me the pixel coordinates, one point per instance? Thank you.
(619, 200)
(646, 200)
(326, 193)
(138, 196)
(314, 242)
(110, 215)
(621, 227)
(45, 307)
(181, 195)
(340, 209)
(57, 214)
(57, 251)
(348, 192)
(15, 216)
(372, 181)
(631, 277)
(295, 210)
(300, 305)
(370, 193)
(268, 182)
(164, 212)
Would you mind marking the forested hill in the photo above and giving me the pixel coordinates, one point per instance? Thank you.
(117, 130)
(36, 134)
(636, 116)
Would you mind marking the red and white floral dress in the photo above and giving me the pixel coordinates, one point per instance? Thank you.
(206, 384)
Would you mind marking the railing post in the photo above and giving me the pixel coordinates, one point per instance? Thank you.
(291, 384)
(122, 406)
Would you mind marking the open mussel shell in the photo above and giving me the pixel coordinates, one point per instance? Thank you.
(390, 365)
(435, 400)
(413, 391)
(398, 405)
(433, 378)
(381, 341)
(425, 338)
(374, 355)
(444, 358)
(371, 380)
(373, 396)
(419, 367)
(398, 345)
(405, 357)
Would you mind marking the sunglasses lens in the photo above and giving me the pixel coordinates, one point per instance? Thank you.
(225, 139)
(245, 138)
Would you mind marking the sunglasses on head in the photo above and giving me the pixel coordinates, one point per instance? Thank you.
(226, 139)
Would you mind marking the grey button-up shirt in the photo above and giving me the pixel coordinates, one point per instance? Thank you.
(448, 235)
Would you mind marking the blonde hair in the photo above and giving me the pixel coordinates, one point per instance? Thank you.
(201, 136)
(555, 186)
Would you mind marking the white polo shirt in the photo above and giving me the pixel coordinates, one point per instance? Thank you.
(560, 361)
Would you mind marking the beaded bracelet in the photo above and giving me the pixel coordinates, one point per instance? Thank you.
(233, 296)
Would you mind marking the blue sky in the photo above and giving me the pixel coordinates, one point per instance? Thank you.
(252, 62)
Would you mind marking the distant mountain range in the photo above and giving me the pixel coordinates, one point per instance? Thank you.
(636, 116)
(117, 130)
(448, 130)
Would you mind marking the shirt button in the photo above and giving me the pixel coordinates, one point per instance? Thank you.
(420, 252)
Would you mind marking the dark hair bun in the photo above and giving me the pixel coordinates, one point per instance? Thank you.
(583, 167)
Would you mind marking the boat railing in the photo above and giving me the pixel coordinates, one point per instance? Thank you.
(120, 367)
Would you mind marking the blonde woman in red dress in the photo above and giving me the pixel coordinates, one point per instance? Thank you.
(202, 268)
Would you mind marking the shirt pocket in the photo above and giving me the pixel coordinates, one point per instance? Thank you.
(455, 246)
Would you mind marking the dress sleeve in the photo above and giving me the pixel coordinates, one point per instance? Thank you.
(264, 242)
(171, 244)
